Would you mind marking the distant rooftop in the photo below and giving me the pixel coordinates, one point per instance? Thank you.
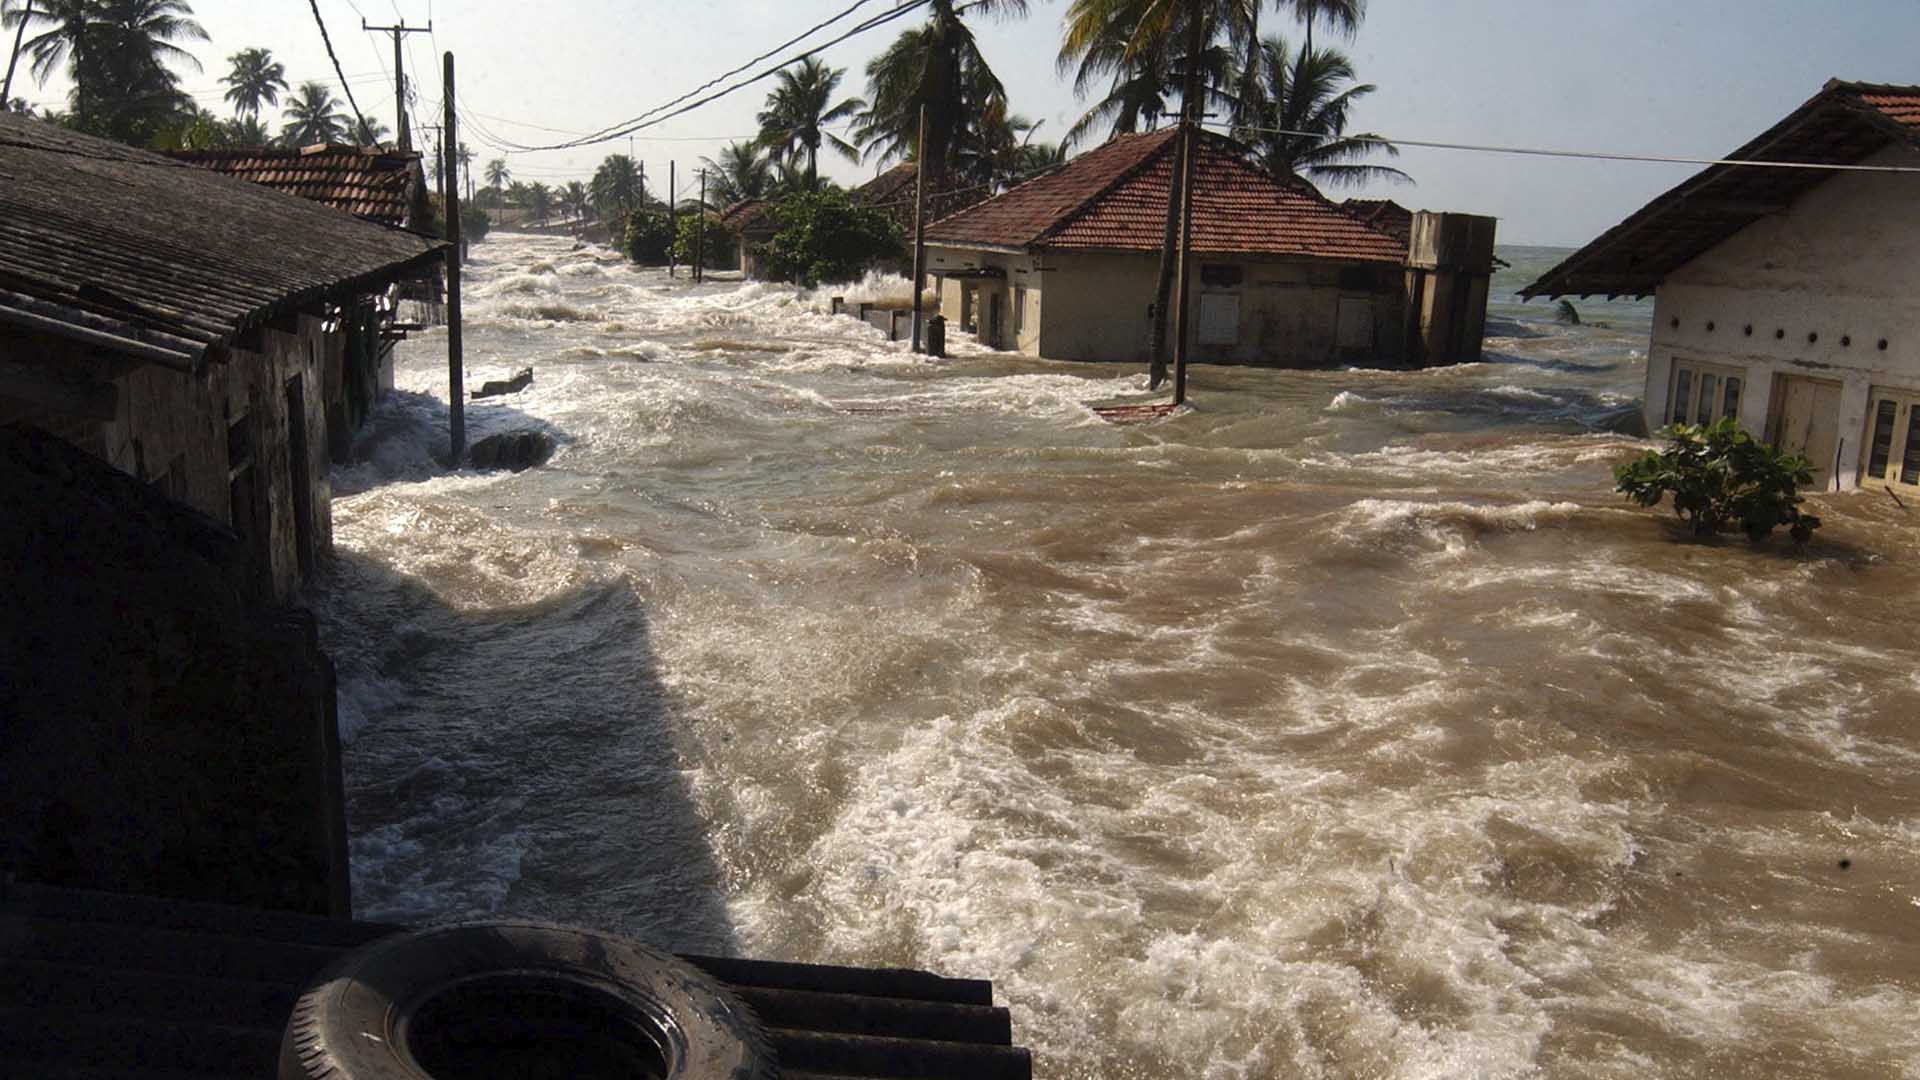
(1114, 198)
(1844, 124)
(378, 185)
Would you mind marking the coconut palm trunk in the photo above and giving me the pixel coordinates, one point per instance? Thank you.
(1189, 114)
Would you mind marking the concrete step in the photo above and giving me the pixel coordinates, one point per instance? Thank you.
(897, 1059)
(27, 984)
(831, 979)
(859, 1014)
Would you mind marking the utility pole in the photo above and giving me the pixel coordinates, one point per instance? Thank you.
(673, 216)
(920, 225)
(1183, 267)
(6, 90)
(456, 372)
(399, 75)
(700, 233)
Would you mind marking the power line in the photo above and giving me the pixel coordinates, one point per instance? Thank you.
(1591, 155)
(328, 41)
(642, 122)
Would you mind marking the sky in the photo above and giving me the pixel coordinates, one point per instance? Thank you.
(1690, 78)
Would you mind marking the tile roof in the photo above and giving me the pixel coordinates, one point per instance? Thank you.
(378, 185)
(1383, 214)
(141, 253)
(1844, 124)
(749, 215)
(892, 193)
(1114, 198)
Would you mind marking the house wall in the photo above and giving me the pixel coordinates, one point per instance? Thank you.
(175, 430)
(1098, 306)
(1821, 285)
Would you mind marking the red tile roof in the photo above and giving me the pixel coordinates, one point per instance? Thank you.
(748, 214)
(892, 193)
(373, 184)
(1114, 198)
(1383, 214)
(1844, 124)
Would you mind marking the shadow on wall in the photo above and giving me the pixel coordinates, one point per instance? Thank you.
(161, 734)
(517, 762)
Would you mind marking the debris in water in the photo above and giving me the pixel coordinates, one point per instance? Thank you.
(495, 387)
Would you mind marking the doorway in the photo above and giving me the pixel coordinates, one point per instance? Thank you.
(1804, 419)
(300, 474)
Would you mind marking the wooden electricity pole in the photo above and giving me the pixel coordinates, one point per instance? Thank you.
(1190, 149)
(920, 225)
(6, 90)
(673, 216)
(456, 373)
(700, 233)
(399, 75)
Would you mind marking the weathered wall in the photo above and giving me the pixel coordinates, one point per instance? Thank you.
(163, 735)
(180, 432)
(1810, 291)
(1091, 306)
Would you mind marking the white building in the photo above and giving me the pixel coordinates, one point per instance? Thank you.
(1789, 298)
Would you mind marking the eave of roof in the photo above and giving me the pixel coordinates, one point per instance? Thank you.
(374, 184)
(1843, 124)
(109, 243)
(1114, 198)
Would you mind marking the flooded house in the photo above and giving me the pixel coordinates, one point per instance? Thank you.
(1784, 297)
(752, 223)
(217, 340)
(381, 185)
(1065, 266)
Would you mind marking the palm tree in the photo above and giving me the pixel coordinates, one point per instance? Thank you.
(1344, 16)
(938, 66)
(464, 158)
(255, 77)
(617, 184)
(369, 131)
(741, 173)
(313, 116)
(116, 53)
(539, 201)
(497, 173)
(575, 199)
(248, 131)
(1308, 97)
(1141, 84)
(790, 125)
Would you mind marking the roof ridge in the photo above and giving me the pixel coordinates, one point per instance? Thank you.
(1125, 176)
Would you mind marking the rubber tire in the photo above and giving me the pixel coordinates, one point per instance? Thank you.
(346, 1025)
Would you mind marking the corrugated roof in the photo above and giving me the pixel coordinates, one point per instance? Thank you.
(1114, 198)
(1844, 124)
(134, 250)
(378, 185)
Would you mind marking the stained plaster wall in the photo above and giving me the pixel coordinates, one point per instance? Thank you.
(1098, 306)
(1841, 264)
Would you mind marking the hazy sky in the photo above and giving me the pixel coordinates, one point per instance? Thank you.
(1673, 77)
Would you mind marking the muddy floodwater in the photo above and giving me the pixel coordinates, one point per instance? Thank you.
(1345, 724)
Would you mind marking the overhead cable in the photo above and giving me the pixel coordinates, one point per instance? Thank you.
(1591, 155)
(328, 41)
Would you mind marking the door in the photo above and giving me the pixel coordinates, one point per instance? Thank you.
(300, 475)
(996, 302)
(1808, 423)
(1355, 330)
(1891, 448)
(1219, 318)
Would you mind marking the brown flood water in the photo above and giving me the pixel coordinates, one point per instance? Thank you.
(1345, 725)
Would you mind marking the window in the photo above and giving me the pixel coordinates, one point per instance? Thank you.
(1703, 393)
(1019, 313)
(1893, 439)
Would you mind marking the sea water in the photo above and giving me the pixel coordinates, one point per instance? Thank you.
(1343, 724)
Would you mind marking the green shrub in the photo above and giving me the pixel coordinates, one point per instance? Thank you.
(716, 250)
(647, 237)
(825, 237)
(1721, 477)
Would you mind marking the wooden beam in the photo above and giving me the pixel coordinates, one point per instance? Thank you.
(36, 385)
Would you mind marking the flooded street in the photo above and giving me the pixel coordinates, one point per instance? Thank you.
(1345, 724)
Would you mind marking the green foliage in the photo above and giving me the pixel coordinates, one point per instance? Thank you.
(824, 236)
(1721, 478)
(648, 235)
(717, 245)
